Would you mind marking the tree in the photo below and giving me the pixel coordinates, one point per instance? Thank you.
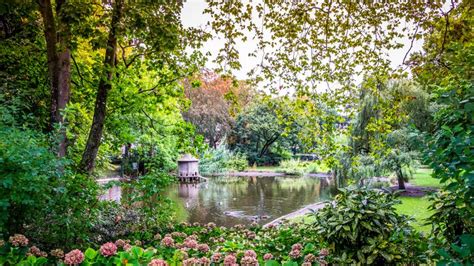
(210, 111)
(445, 68)
(95, 133)
(256, 131)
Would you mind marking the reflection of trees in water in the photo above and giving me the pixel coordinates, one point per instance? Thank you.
(256, 196)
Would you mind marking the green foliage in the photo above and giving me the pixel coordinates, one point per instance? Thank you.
(221, 160)
(38, 189)
(449, 151)
(291, 167)
(260, 135)
(362, 226)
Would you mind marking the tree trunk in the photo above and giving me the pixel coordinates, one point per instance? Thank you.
(95, 134)
(401, 181)
(59, 66)
(50, 34)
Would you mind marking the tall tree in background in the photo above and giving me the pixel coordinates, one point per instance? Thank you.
(215, 104)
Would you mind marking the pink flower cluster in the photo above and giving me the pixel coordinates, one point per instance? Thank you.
(35, 251)
(267, 256)
(74, 257)
(18, 240)
(157, 262)
(167, 241)
(108, 249)
(190, 243)
(58, 253)
(230, 260)
(216, 257)
(203, 248)
(250, 258)
(296, 251)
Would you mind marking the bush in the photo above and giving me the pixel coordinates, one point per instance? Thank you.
(292, 167)
(181, 245)
(221, 160)
(37, 189)
(362, 226)
(237, 162)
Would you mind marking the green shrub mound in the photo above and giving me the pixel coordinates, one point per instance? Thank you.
(362, 226)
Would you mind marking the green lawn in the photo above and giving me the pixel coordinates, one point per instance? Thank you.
(411, 206)
(422, 177)
(416, 208)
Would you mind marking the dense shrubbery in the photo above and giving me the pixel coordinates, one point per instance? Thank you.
(183, 244)
(37, 189)
(221, 160)
(362, 226)
(297, 167)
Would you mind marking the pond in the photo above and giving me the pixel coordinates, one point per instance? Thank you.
(228, 201)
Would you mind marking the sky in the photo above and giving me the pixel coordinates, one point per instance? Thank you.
(192, 16)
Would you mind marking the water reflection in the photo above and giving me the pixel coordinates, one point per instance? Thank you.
(229, 200)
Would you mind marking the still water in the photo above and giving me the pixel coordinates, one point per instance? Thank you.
(232, 200)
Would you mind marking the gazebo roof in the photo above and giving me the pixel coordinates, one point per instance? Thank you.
(187, 158)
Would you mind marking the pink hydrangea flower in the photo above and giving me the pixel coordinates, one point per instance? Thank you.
(324, 252)
(58, 253)
(34, 250)
(216, 257)
(120, 243)
(267, 256)
(230, 260)
(297, 246)
(310, 258)
(167, 241)
(108, 249)
(74, 257)
(190, 243)
(249, 261)
(191, 262)
(18, 240)
(127, 247)
(205, 261)
(157, 262)
(295, 253)
(250, 253)
(203, 248)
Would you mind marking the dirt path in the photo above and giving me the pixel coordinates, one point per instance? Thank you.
(413, 191)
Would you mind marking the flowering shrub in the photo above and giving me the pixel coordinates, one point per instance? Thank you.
(181, 244)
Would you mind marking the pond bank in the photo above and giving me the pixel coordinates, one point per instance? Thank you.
(303, 211)
(266, 174)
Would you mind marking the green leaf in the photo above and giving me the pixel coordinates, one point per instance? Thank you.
(90, 253)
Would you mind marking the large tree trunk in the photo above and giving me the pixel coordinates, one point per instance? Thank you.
(95, 134)
(401, 180)
(50, 34)
(59, 66)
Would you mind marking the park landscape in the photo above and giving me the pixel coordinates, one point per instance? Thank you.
(318, 132)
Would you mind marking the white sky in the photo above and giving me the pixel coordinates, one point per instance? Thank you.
(192, 16)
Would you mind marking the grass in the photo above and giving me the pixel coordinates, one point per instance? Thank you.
(422, 177)
(410, 206)
(416, 208)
